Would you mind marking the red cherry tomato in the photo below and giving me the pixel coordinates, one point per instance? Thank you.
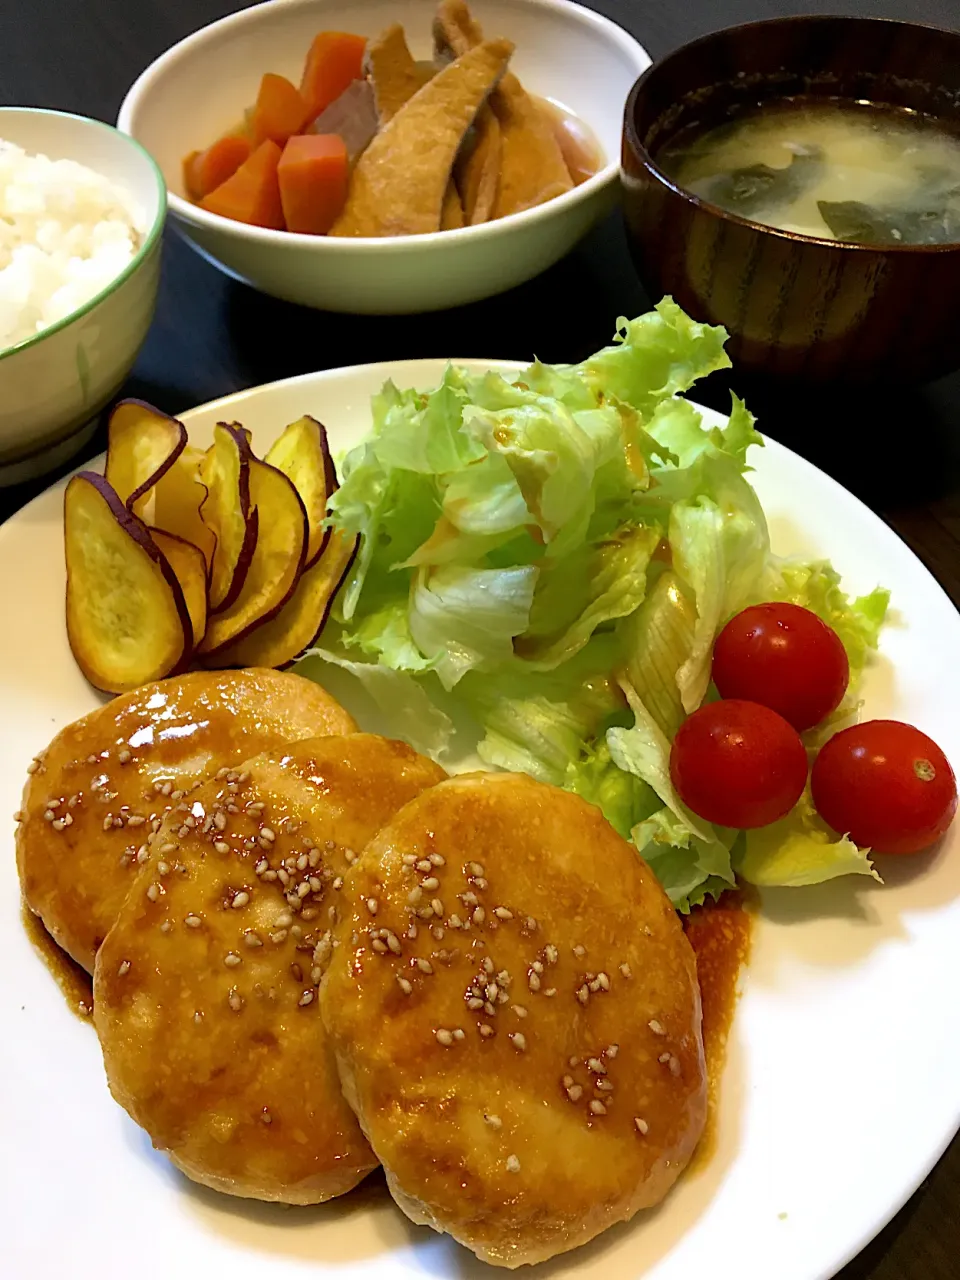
(738, 764)
(886, 785)
(784, 657)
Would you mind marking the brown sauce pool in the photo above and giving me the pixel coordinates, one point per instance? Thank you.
(719, 933)
(75, 983)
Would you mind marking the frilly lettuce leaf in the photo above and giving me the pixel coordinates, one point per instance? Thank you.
(799, 850)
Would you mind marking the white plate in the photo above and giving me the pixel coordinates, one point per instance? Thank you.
(841, 1089)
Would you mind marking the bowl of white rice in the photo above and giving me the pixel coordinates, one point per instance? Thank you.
(82, 208)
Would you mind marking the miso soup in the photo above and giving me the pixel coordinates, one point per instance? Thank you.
(821, 167)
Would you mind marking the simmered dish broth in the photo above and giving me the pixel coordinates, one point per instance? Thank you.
(839, 170)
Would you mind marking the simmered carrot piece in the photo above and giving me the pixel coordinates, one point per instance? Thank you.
(204, 171)
(334, 61)
(253, 193)
(279, 111)
(314, 171)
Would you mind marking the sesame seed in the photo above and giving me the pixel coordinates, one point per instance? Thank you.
(303, 889)
(454, 922)
(437, 907)
(674, 1065)
(372, 906)
(513, 1164)
(107, 822)
(166, 789)
(235, 1000)
(163, 868)
(153, 892)
(551, 952)
(604, 981)
(537, 967)
(604, 1086)
(491, 991)
(479, 915)
(474, 1002)
(165, 926)
(404, 984)
(459, 1033)
(409, 859)
(626, 971)
(485, 1030)
(493, 1121)
(488, 965)
(305, 999)
(192, 922)
(642, 1126)
(574, 1092)
(266, 1117)
(612, 1050)
(124, 756)
(220, 820)
(481, 884)
(437, 860)
(550, 991)
(124, 968)
(278, 935)
(469, 899)
(518, 1040)
(503, 913)
(303, 862)
(34, 764)
(393, 942)
(198, 1017)
(268, 834)
(583, 995)
(533, 981)
(430, 884)
(597, 1108)
(423, 864)
(240, 900)
(519, 1010)
(444, 1037)
(338, 882)
(595, 1064)
(578, 950)
(252, 939)
(231, 959)
(424, 965)
(656, 1027)
(476, 869)
(379, 946)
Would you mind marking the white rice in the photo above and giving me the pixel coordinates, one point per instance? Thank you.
(65, 233)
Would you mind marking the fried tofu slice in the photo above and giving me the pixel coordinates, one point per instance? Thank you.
(393, 72)
(532, 167)
(396, 76)
(478, 171)
(400, 180)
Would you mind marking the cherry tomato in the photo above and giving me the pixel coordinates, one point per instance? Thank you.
(738, 764)
(886, 785)
(784, 657)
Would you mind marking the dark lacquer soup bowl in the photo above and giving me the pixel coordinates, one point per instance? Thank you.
(796, 306)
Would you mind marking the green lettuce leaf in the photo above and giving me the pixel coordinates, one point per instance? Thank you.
(624, 799)
(655, 356)
(799, 850)
(402, 705)
(464, 618)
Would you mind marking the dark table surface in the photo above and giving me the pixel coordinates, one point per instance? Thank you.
(212, 336)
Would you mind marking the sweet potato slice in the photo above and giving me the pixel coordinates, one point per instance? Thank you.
(142, 445)
(127, 619)
(227, 513)
(188, 564)
(281, 640)
(303, 455)
(177, 499)
(275, 564)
